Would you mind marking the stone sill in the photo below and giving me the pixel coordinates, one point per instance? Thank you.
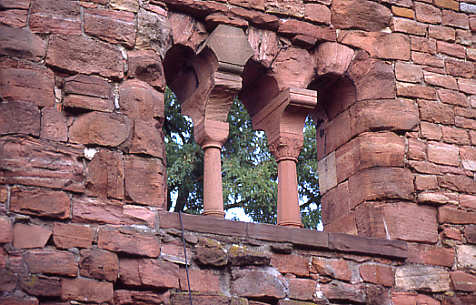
(301, 237)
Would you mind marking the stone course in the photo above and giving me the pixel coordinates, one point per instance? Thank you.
(83, 164)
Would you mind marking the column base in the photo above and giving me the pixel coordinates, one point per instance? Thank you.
(216, 214)
(290, 224)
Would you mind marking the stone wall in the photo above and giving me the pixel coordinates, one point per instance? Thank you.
(82, 161)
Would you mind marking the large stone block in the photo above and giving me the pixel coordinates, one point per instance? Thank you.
(40, 202)
(128, 241)
(112, 26)
(19, 117)
(457, 183)
(332, 57)
(398, 221)
(465, 256)
(377, 274)
(106, 175)
(89, 85)
(30, 236)
(67, 236)
(126, 297)
(378, 44)
(205, 281)
(145, 182)
(365, 15)
(51, 262)
(6, 230)
(92, 210)
(381, 183)
(272, 284)
(39, 285)
(293, 67)
(74, 53)
(148, 139)
(138, 100)
(430, 255)
(295, 264)
(21, 43)
(99, 264)
(35, 162)
(86, 290)
(89, 103)
(442, 153)
(28, 85)
(54, 124)
(146, 65)
(149, 272)
(107, 129)
(421, 278)
(373, 79)
(60, 17)
(463, 281)
(343, 292)
(335, 268)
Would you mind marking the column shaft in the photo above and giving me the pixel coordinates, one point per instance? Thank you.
(288, 205)
(212, 182)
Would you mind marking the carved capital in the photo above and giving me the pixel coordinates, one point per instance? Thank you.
(286, 147)
(209, 133)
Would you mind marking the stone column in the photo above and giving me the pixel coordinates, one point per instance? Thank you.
(283, 121)
(211, 135)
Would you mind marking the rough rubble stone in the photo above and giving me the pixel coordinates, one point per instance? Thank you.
(39, 285)
(422, 278)
(465, 255)
(272, 284)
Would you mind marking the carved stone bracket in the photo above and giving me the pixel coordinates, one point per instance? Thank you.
(283, 121)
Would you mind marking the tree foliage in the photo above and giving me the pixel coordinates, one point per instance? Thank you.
(248, 168)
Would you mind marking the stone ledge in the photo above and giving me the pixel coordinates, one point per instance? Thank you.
(301, 237)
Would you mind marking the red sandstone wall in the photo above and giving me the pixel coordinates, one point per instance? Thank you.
(82, 165)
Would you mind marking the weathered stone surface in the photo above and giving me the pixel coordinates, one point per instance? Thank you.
(465, 255)
(452, 97)
(86, 290)
(146, 65)
(39, 285)
(21, 43)
(89, 85)
(335, 203)
(365, 15)
(153, 32)
(380, 183)
(20, 4)
(35, 162)
(422, 44)
(328, 171)
(19, 117)
(149, 272)
(53, 124)
(272, 284)
(186, 30)
(14, 18)
(145, 174)
(242, 256)
(459, 20)
(301, 289)
(138, 100)
(408, 26)
(90, 210)
(317, 13)
(148, 139)
(378, 44)
(30, 236)
(211, 252)
(430, 255)
(463, 281)
(427, 13)
(436, 112)
(128, 241)
(107, 129)
(369, 150)
(201, 280)
(67, 236)
(126, 5)
(437, 198)
(451, 49)
(442, 153)
(452, 215)
(6, 230)
(440, 80)
(338, 291)
(73, 53)
(60, 17)
(457, 183)
(400, 114)
(99, 264)
(112, 26)
(377, 274)
(27, 85)
(468, 157)
(295, 264)
(372, 78)
(125, 297)
(408, 72)
(293, 68)
(106, 175)
(204, 299)
(397, 222)
(87, 102)
(421, 278)
(335, 268)
(332, 57)
(18, 300)
(51, 262)
(40, 202)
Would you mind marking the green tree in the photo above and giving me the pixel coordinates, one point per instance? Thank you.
(249, 169)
